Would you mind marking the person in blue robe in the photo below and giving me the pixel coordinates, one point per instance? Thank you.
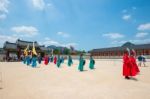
(24, 59)
(62, 59)
(58, 61)
(92, 62)
(39, 58)
(34, 59)
(81, 63)
(70, 62)
(28, 60)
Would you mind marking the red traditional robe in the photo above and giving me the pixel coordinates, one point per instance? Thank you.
(134, 68)
(46, 60)
(126, 65)
(55, 60)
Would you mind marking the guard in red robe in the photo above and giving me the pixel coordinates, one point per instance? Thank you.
(126, 65)
(134, 67)
(55, 60)
(46, 60)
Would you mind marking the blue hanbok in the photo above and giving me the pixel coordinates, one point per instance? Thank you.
(24, 60)
(34, 64)
(70, 62)
(39, 59)
(58, 61)
(92, 62)
(81, 64)
(62, 59)
(28, 60)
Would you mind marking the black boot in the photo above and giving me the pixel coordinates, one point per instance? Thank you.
(126, 77)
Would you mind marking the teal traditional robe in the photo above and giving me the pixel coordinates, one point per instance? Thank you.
(34, 64)
(24, 59)
(28, 60)
(91, 65)
(58, 61)
(81, 64)
(70, 62)
(62, 59)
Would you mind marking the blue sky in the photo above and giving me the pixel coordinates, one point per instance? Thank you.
(84, 24)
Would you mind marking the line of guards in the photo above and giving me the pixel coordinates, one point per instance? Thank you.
(57, 60)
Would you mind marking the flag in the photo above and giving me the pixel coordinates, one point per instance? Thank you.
(33, 50)
(72, 48)
(128, 51)
(62, 50)
(134, 52)
(52, 50)
(26, 50)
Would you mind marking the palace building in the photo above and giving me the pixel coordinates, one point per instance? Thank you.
(117, 52)
(17, 49)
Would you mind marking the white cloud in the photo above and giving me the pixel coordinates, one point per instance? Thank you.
(63, 34)
(28, 31)
(4, 6)
(113, 35)
(47, 41)
(7, 38)
(38, 4)
(134, 41)
(4, 38)
(70, 44)
(143, 27)
(118, 42)
(51, 42)
(140, 41)
(126, 17)
(2, 16)
(3, 9)
(141, 34)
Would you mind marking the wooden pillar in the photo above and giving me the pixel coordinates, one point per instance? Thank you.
(143, 51)
(7, 55)
(19, 53)
(118, 54)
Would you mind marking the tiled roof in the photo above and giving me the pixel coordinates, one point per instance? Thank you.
(123, 47)
(9, 45)
(25, 43)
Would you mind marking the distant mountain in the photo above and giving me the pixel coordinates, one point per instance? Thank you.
(56, 47)
(52, 47)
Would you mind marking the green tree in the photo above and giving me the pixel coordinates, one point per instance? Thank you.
(66, 51)
(56, 51)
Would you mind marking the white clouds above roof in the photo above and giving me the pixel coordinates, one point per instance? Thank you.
(9, 38)
(48, 41)
(113, 35)
(29, 31)
(141, 34)
(63, 34)
(143, 27)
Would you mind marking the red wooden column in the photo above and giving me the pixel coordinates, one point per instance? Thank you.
(19, 53)
(7, 55)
